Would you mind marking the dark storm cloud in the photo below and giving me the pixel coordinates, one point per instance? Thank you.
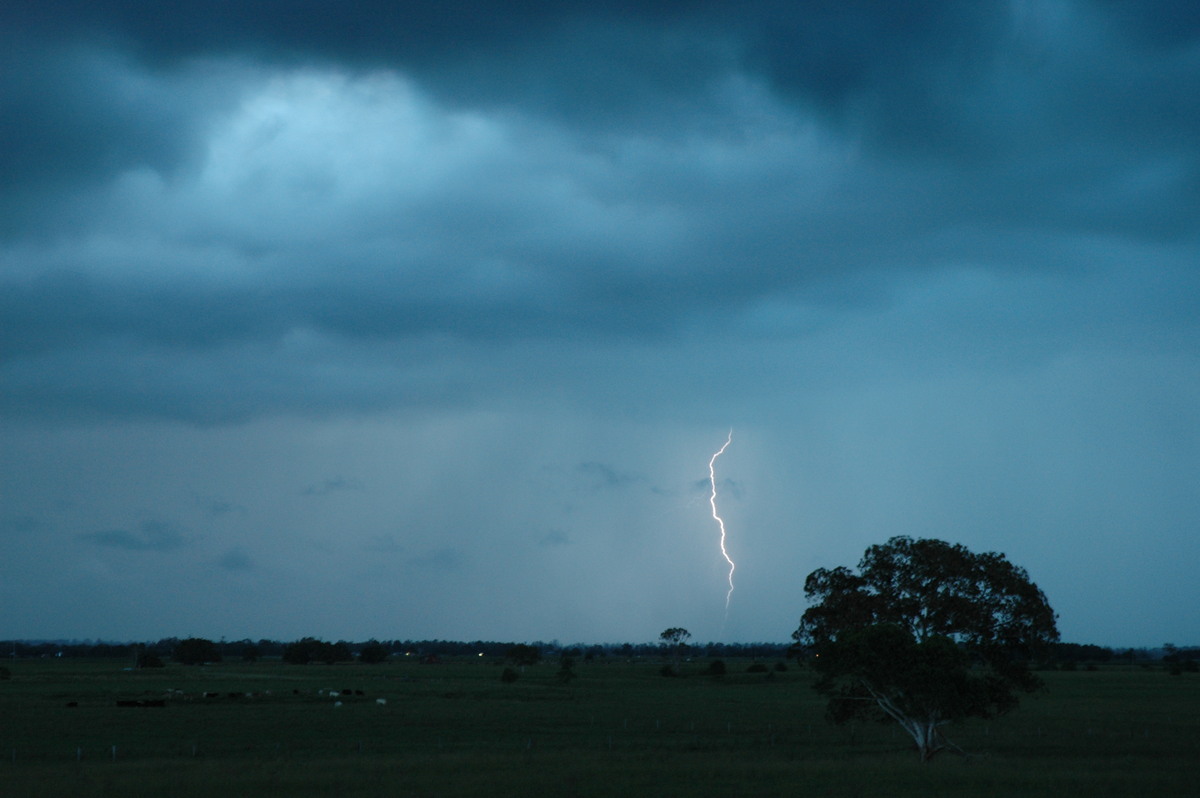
(929, 76)
(155, 536)
(935, 261)
(659, 168)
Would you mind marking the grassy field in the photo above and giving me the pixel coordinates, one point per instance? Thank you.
(620, 728)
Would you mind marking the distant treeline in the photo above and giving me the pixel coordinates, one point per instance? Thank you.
(310, 649)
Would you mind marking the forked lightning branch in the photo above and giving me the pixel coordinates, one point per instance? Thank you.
(712, 501)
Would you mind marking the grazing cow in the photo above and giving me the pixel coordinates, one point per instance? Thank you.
(337, 703)
(381, 701)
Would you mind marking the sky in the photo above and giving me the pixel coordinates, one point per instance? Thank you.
(420, 320)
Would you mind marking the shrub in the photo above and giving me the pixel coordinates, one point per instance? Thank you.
(508, 676)
(195, 651)
(373, 652)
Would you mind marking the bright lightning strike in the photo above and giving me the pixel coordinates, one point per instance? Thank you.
(712, 501)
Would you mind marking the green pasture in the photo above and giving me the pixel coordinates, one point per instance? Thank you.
(619, 728)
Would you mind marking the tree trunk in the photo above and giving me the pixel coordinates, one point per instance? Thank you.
(925, 735)
(922, 730)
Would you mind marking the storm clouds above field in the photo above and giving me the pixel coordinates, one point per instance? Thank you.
(423, 320)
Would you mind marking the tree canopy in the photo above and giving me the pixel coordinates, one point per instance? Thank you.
(675, 640)
(523, 654)
(925, 633)
(195, 651)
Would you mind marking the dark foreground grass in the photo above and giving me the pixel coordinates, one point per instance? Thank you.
(619, 729)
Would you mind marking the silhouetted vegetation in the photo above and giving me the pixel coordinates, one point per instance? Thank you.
(1059, 655)
(373, 652)
(310, 649)
(924, 634)
(523, 654)
(195, 651)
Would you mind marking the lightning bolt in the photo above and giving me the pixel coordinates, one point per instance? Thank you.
(712, 501)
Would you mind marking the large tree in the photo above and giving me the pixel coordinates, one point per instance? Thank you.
(925, 633)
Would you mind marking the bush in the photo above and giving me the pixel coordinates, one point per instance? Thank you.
(310, 649)
(508, 676)
(523, 654)
(195, 651)
(757, 667)
(716, 668)
(373, 652)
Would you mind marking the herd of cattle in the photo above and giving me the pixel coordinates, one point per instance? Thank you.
(338, 696)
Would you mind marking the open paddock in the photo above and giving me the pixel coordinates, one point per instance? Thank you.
(619, 728)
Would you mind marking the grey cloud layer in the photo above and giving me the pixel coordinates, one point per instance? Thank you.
(190, 232)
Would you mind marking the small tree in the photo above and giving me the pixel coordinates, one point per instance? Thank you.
(195, 651)
(924, 634)
(373, 652)
(675, 640)
(523, 654)
(310, 649)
